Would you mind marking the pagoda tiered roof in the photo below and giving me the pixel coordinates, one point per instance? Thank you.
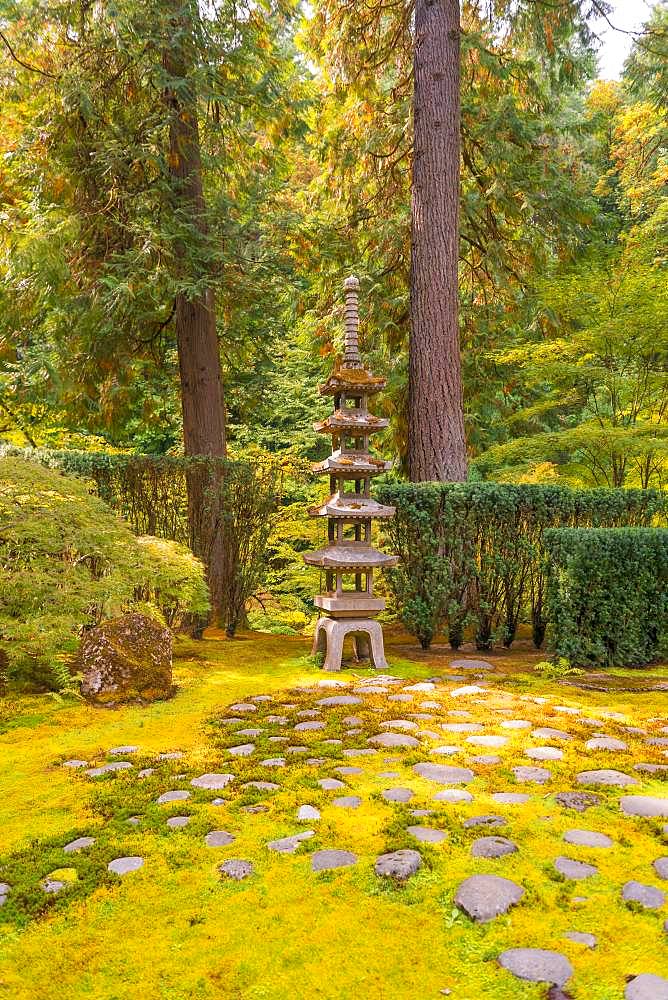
(352, 464)
(353, 381)
(349, 421)
(351, 505)
(352, 556)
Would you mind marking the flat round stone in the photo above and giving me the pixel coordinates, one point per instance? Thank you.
(579, 801)
(330, 784)
(492, 847)
(487, 820)
(393, 740)
(605, 743)
(398, 865)
(483, 897)
(347, 802)
(536, 775)
(546, 733)
(606, 776)
(581, 937)
(444, 774)
(323, 861)
(307, 813)
(121, 866)
(74, 763)
(242, 750)
(117, 765)
(397, 794)
(305, 727)
(212, 782)
(647, 987)
(218, 838)
(544, 753)
(177, 795)
(308, 713)
(657, 741)
(406, 724)
(461, 727)
(274, 762)
(574, 869)
(340, 699)
(421, 812)
(400, 697)
(453, 795)
(249, 732)
(121, 751)
(360, 752)
(262, 786)
(79, 844)
(471, 665)
(511, 798)
(516, 724)
(349, 770)
(488, 741)
(177, 822)
(242, 706)
(649, 768)
(146, 772)
(644, 805)
(446, 751)
(258, 808)
(661, 867)
(646, 895)
(288, 845)
(536, 965)
(236, 869)
(421, 686)
(587, 838)
(427, 835)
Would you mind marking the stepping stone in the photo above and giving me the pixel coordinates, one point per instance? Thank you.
(492, 847)
(461, 727)
(348, 802)
(444, 774)
(467, 689)
(305, 727)
(340, 699)
(511, 798)
(175, 796)
(536, 775)
(536, 965)
(231, 721)
(453, 795)
(607, 776)
(546, 733)
(661, 867)
(323, 861)
(288, 845)
(307, 813)
(133, 820)
(278, 739)
(79, 844)
(243, 706)
(400, 697)
(515, 724)
(580, 801)
(315, 761)
(421, 812)
(259, 808)
(218, 838)
(262, 786)
(122, 866)
(176, 822)
(236, 869)
(249, 732)
(388, 774)
(647, 987)
(574, 869)
(426, 705)
(212, 782)
(488, 820)
(5, 889)
(643, 805)
(373, 689)
(296, 749)
(217, 802)
(651, 768)
(330, 784)
(332, 683)
(427, 835)
(446, 751)
(121, 751)
(146, 772)
(397, 794)
(647, 895)
(352, 720)
(366, 751)
(487, 741)
(605, 743)
(421, 686)
(471, 665)
(274, 762)
(53, 885)
(483, 897)
(581, 937)
(349, 770)
(118, 765)
(657, 741)
(243, 750)
(587, 838)
(399, 724)
(279, 720)
(394, 740)
(308, 713)
(398, 865)
(74, 763)
(262, 697)
(544, 753)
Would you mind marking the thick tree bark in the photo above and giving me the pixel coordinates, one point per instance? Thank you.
(195, 320)
(436, 441)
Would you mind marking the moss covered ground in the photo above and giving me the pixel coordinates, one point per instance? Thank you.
(175, 929)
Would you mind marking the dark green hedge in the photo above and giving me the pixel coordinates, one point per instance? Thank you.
(472, 553)
(607, 595)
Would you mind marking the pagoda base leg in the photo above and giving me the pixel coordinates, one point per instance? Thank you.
(330, 634)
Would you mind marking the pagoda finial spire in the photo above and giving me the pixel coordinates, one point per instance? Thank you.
(351, 350)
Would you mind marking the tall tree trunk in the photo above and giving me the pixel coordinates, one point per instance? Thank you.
(195, 319)
(436, 442)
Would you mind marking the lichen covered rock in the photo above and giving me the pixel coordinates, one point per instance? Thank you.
(126, 659)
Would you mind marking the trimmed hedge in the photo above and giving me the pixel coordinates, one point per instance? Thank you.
(607, 595)
(472, 553)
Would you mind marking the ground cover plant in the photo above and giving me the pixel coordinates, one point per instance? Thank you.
(287, 930)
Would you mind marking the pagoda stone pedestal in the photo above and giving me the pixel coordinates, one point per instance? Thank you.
(348, 602)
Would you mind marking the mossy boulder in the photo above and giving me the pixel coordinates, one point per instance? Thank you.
(126, 659)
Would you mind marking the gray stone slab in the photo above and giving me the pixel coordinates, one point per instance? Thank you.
(243, 706)
(78, 845)
(348, 770)
(661, 867)
(483, 897)
(242, 750)
(572, 869)
(397, 794)
(535, 775)
(323, 861)
(646, 895)
(537, 965)
(122, 866)
(306, 727)
(587, 838)
(547, 733)
(308, 814)
(644, 805)
(398, 865)
(400, 697)
(262, 786)
(492, 847)
(486, 820)
(117, 765)
(249, 732)
(393, 740)
(274, 762)
(647, 987)
(236, 868)
(427, 834)
(212, 782)
(471, 665)
(178, 822)
(493, 742)
(606, 776)
(544, 753)
(288, 845)
(516, 724)
(453, 795)
(581, 937)
(605, 743)
(177, 795)
(347, 802)
(74, 763)
(444, 774)
(650, 768)
(405, 724)
(461, 727)
(121, 751)
(446, 751)
(330, 784)
(359, 752)
(340, 699)
(218, 838)
(352, 720)
(146, 772)
(579, 801)
(511, 798)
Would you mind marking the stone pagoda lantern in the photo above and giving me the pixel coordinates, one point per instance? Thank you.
(349, 560)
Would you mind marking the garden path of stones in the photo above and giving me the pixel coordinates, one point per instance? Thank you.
(296, 763)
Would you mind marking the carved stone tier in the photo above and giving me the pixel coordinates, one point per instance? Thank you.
(355, 558)
(352, 382)
(349, 605)
(330, 634)
(351, 506)
(352, 465)
(351, 421)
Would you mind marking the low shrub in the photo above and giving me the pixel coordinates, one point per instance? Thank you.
(607, 595)
(67, 562)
